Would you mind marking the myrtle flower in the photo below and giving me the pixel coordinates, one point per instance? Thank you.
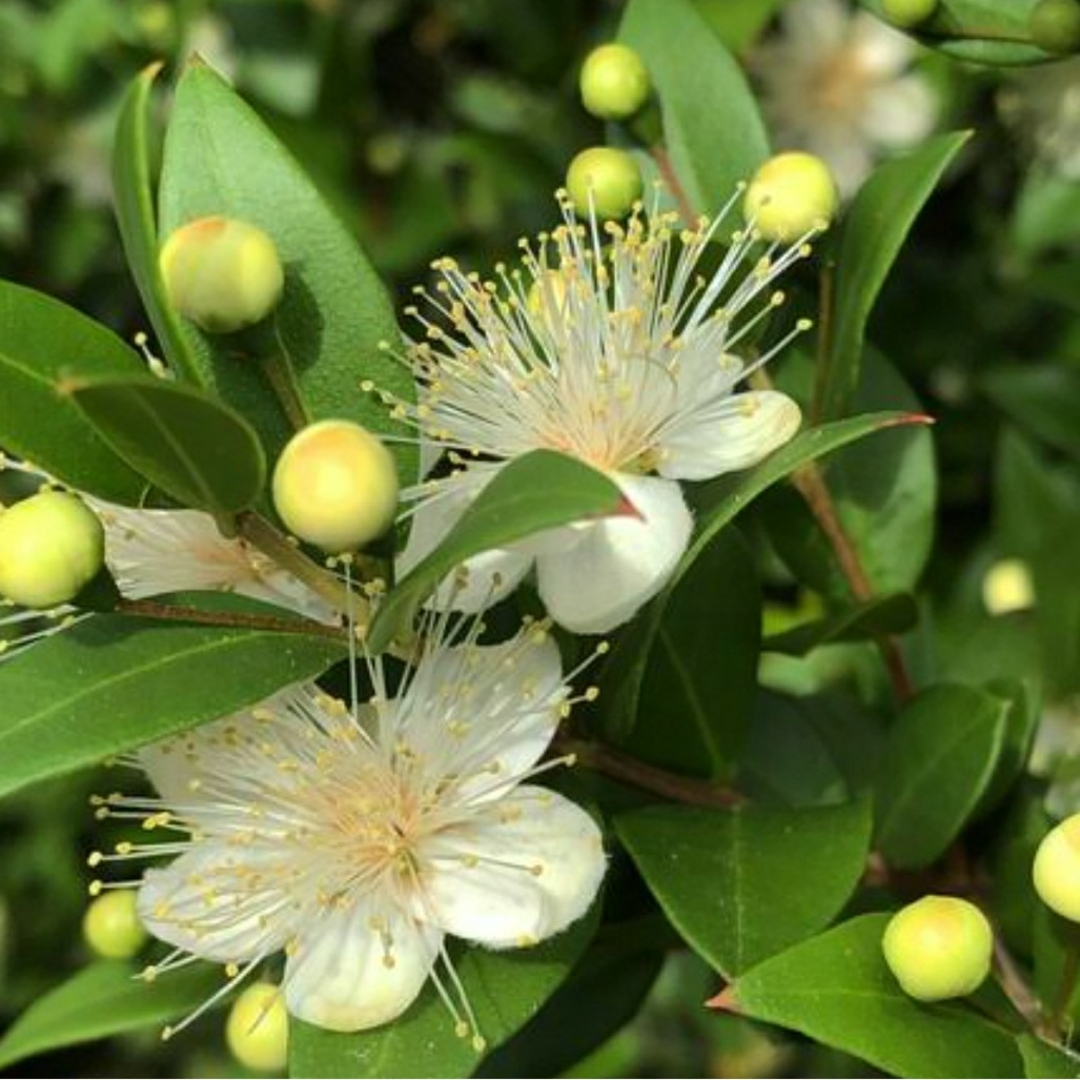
(614, 344)
(355, 840)
(1043, 108)
(839, 84)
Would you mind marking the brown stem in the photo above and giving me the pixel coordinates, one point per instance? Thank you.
(152, 609)
(674, 185)
(825, 336)
(614, 763)
(1056, 1022)
(1015, 986)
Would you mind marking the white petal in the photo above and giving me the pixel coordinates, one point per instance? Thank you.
(621, 561)
(517, 872)
(815, 27)
(901, 113)
(881, 50)
(734, 433)
(358, 967)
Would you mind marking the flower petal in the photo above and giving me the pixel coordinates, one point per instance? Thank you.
(358, 967)
(901, 113)
(621, 562)
(880, 49)
(735, 433)
(518, 871)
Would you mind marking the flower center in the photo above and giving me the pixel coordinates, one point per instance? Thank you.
(840, 83)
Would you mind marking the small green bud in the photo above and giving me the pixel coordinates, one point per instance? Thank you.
(51, 547)
(1055, 25)
(257, 1030)
(609, 179)
(790, 196)
(614, 82)
(222, 274)
(1007, 586)
(1056, 870)
(938, 948)
(335, 486)
(111, 925)
(908, 13)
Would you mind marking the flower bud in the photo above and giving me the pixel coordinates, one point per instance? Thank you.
(257, 1031)
(908, 13)
(111, 925)
(938, 948)
(51, 547)
(607, 179)
(1007, 586)
(1056, 870)
(614, 82)
(222, 274)
(335, 486)
(790, 196)
(1055, 25)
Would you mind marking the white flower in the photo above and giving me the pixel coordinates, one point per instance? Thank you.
(1043, 106)
(838, 84)
(612, 344)
(354, 841)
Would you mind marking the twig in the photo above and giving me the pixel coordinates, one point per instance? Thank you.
(152, 609)
(674, 185)
(1015, 986)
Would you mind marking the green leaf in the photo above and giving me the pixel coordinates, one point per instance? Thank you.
(742, 885)
(738, 22)
(684, 691)
(134, 207)
(712, 126)
(221, 159)
(105, 999)
(198, 451)
(505, 990)
(1043, 400)
(837, 989)
(873, 232)
(894, 614)
(42, 341)
(1023, 713)
(1043, 1059)
(941, 755)
(113, 683)
(539, 490)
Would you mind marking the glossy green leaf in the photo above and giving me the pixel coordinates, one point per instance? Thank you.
(1043, 400)
(837, 989)
(200, 452)
(42, 341)
(895, 614)
(874, 230)
(539, 490)
(712, 126)
(221, 159)
(941, 756)
(1024, 711)
(113, 683)
(101, 1000)
(505, 990)
(743, 884)
(1043, 1059)
(738, 22)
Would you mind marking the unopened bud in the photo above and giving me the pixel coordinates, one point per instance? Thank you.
(335, 486)
(791, 196)
(1056, 870)
(111, 925)
(222, 274)
(257, 1031)
(51, 547)
(1007, 587)
(614, 82)
(605, 179)
(1055, 25)
(908, 13)
(938, 948)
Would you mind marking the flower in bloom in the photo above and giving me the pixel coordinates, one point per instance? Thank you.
(839, 84)
(355, 840)
(614, 344)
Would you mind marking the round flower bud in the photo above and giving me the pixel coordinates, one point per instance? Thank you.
(111, 925)
(614, 82)
(908, 13)
(1007, 586)
(257, 1030)
(609, 180)
(335, 486)
(1056, 870)
(791, 195)
(1055, 25)
(938, 948)
(222, 274)
(51, 547)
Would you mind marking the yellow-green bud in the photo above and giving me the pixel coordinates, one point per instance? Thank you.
(1055, 25)
(614, 82)
(908, 13)
(1007, 586)
(257, 1030)
(790, 196)
(51, 547)
(222, 274)
(1056, 870)
(335, 486)
(111, 925)
(938, 948)
(607, 179)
